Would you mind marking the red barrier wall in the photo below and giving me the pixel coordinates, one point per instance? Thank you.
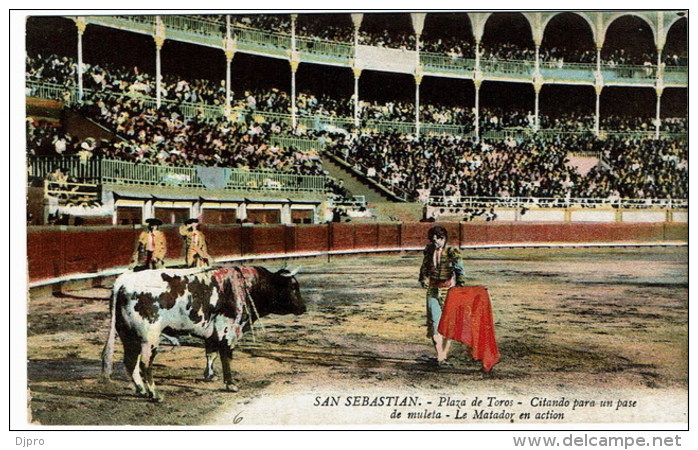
(226, 240)
(310, 238)
(342, 236)
(58, 251)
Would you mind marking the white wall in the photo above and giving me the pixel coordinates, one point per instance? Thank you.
(543, 215)
(644, 216)
(386, 59)
(679, 216)
(593, 215)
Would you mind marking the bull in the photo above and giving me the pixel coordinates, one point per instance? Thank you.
(216, 304)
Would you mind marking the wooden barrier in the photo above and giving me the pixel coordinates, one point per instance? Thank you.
(55, 252)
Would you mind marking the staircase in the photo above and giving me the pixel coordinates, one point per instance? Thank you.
(355, 182)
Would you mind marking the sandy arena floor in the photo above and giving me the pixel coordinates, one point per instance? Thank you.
(574, 324)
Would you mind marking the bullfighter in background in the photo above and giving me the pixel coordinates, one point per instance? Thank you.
(151, 247)
(195, 250)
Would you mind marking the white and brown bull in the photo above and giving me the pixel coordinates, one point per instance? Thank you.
(216, 304)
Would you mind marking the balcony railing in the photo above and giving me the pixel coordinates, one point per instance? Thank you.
(254, 40)
(437, 62)
(84, 170)
(545, 202)
(316, 50)
(296, 142)
(628, 73)
(139, 23)
(508, 68)
(51, 91)
(194, 29)
(567, 71)
(104, 170)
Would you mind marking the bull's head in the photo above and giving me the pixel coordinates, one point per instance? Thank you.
(288, 298)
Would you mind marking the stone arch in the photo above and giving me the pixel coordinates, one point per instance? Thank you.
(342, 20)
(611, 19)
(430, 17)
(502, 16)
(375, 21)
(672, 22)
(432, 29)
(629, 40)
(584, 16)
(673, 42)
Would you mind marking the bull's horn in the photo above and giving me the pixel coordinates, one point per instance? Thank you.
(291, 273)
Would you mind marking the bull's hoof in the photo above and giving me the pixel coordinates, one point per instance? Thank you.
(230, 387)
(156, 398)
(209, 378)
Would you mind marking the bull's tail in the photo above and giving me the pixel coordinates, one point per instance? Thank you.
(108, 351)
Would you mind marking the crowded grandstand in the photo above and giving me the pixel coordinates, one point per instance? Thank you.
(340, 117)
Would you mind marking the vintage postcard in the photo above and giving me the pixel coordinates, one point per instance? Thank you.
(421, 220)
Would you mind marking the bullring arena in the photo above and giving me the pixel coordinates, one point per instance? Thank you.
(578, 230)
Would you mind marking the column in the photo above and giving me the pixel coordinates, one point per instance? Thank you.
(598, 87)
(356, 20)
(417, 81)
(158, 71)
(286, 214)
(81, 25)
(659, 89)
(597, 117)
(196, 210)
(229, 54)
(418, 27)
(537, 86)
(159, 38)
(599, 37)
(241, 212)
(295, 61)
(357, 75)
(293, 32)
(538, 80)
(658, 119)
(148, 210)
(294, 118)
(229, 49)
(478, 82)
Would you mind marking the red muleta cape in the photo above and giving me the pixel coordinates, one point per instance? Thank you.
(467, 318)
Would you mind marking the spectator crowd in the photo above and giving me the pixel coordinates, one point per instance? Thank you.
(533, 166)
(454, 167)
(115, 81)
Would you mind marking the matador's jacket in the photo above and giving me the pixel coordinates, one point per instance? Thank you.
(150, 252)
(195, 249)
(442, 269)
